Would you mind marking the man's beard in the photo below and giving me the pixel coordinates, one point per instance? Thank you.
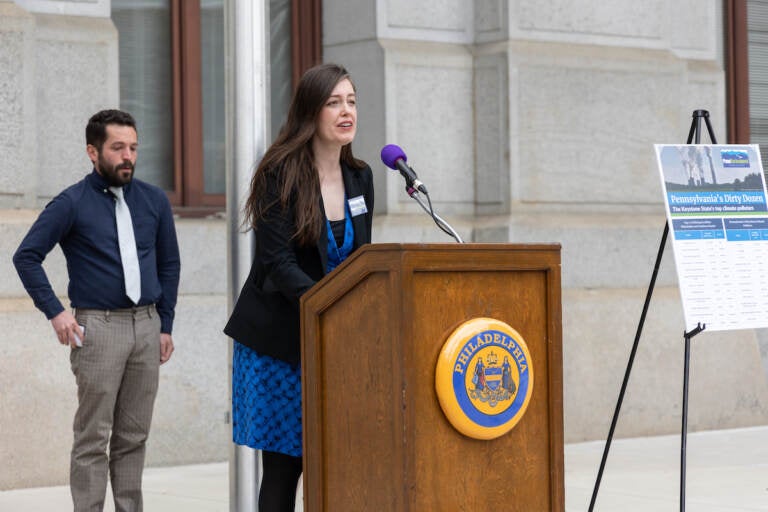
(114, 174)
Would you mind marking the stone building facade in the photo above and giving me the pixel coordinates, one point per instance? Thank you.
(529, 121)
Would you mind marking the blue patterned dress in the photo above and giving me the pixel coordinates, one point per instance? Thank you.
(266, 392)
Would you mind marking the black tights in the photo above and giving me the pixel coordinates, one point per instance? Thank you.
(278, 483)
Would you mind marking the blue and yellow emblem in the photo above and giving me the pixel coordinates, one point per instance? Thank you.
(484, 378)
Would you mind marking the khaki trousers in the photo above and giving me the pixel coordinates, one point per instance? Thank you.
(116, 371)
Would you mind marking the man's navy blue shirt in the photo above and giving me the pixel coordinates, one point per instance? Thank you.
(82, 220)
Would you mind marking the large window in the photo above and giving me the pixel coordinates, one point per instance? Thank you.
(172, 80)
(747, 73)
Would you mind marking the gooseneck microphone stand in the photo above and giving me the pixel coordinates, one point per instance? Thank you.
(694, 135)
(441, 223)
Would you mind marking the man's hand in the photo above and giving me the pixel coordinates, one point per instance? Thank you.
(66, 328)
(166, 347)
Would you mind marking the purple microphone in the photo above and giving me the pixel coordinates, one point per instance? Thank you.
(390, 154)
(394, 157)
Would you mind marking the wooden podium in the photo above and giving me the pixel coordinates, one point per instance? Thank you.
(375, 436)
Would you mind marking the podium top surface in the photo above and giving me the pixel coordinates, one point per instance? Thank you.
(461, 247)
(445, 255)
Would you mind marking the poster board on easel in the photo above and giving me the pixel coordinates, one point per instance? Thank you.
(715, 197)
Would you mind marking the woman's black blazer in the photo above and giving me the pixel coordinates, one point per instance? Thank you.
(266, 314)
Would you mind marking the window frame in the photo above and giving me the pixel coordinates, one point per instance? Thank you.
(306, 36)
(188, 196)
(737, 71)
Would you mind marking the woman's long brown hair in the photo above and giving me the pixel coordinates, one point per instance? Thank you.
(290, 157)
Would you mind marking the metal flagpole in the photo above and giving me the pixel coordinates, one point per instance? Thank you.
(247, 114)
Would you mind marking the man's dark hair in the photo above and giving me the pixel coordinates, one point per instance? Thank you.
(96, 130)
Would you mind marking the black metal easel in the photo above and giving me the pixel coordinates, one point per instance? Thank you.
(694, 135)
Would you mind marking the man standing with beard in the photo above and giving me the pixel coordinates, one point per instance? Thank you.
(119, 240)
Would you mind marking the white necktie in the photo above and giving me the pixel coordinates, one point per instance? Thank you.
(127, 241)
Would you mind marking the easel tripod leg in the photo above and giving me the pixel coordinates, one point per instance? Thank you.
(684, 433)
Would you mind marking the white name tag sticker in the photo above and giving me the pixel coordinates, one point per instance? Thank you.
(357, 206)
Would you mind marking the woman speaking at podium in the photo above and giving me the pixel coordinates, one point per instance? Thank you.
(310, 206)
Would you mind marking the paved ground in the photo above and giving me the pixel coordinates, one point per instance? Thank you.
(727, 471)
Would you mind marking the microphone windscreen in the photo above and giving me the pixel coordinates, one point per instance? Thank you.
(390, 154)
